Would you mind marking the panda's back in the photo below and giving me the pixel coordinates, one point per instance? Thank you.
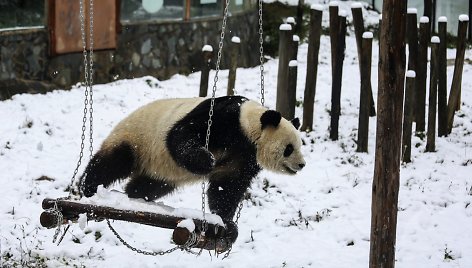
(146, 129)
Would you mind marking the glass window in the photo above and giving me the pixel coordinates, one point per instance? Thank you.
(21, 13)
(201, 8)
(133, 10)
(237, 5)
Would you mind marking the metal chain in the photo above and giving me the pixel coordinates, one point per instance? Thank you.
(86, 99)
(212, 104)
(261, 50)
(192, 241)
(91, 79)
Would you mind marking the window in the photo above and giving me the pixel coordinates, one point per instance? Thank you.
(135, 10)
(205, 8)
(21, 13)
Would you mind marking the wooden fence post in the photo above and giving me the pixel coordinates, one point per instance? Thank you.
(442, 77)
(235, 42)
(433, 94)
(298, 26)
(421, 73)
(295, 43)
(285, 40)
(366, 88)
(292, 88)
(454, 95)
(412, 38)
(408, 115)
(333, 30)
(338, 77)
(358, 21)
(207, 52)
(316, 14)
(386, 179)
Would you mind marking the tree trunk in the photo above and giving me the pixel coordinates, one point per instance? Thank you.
(389, 132)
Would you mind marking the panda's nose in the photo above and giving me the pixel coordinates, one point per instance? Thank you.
(301, 165)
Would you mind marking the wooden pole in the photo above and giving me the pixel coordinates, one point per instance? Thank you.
(408, 116)
(358, 21)
(388, 137)
(295, 43)
(292, 89)
(442, 77)
(454, 96)
(421, 73)
(235, 43)
(433, 95)
(298, 26)
(412, 37)
(333, 31)
(366, 88)
(207, 52)
(337, 78)
(285, 40)
(316, 14)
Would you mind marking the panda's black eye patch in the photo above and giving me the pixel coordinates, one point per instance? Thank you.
(288, 150)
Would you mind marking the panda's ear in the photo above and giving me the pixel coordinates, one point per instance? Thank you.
(270, 118)
(296, 122)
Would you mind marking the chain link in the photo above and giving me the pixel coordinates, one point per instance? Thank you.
(90, 82)
(261, 50)
(212, 104)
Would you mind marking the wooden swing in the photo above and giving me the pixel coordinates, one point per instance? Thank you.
(205, 234)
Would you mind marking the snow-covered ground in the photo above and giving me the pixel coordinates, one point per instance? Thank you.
(319, 218)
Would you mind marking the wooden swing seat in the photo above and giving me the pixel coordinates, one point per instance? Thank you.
(152, 214)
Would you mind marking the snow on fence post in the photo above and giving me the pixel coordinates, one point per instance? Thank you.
(292, 88)
(442, 77)
(421, 73)
(408, 115)
(333, 30)
(455, 93)
(412, 38)
(207, 52)
(386, 179)
(358, 21)
(233, 65)
(366, 92)
(316, 14)
(285, 40)
(433, 95)
(338, 77)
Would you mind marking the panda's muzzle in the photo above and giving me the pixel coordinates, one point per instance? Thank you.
(294, 171)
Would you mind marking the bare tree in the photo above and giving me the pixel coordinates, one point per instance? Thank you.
(389, 133)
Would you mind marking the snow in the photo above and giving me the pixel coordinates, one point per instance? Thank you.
(410, 74)
(356, 5)
(342, 13)
(463, 17)
(290, 20)
(442, 19)
(333, 3)
(207, 48)
(285, 27)
(435, 40)
(236, 40)
(295, 38)
(317, 7)
(367, 35)
(411, 10)
(293, 63)
(82, 221)
(318, 218)
(187, 224)
(424, 19)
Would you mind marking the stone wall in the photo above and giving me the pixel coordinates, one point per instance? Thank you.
(160, 49)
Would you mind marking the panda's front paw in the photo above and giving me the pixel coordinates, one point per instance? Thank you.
(201, 162)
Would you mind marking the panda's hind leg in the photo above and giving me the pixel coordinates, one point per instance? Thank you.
(148, 188)
(106, 167)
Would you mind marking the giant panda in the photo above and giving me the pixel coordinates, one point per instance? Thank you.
(161, 147)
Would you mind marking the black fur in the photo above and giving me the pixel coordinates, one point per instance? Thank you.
(270, 118)
(148, 188)
(234, 171)
(296, 122)
(106, 168)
